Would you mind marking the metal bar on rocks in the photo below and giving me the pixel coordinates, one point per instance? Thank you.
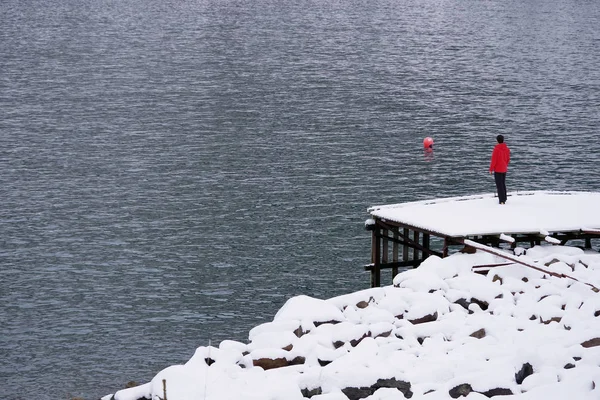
(515, 259)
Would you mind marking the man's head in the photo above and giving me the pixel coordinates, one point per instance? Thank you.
(500, 139)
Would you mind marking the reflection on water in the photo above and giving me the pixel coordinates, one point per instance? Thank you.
(428, 154)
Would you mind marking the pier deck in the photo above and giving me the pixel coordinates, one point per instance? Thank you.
(404, 235)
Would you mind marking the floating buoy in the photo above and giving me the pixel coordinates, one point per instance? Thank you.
(428, 143)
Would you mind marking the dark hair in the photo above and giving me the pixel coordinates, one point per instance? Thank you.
(500, 139)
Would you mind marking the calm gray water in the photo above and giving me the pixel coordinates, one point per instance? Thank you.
(171, 171)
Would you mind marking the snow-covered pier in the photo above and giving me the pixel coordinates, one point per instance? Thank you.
(404, 235)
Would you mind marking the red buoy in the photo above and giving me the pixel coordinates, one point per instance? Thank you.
(428, 143)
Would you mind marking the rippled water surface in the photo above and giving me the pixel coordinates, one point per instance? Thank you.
(171, 171)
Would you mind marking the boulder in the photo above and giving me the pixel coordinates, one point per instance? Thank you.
(523, 373)
(460, 390)
(356, 393)
(426, 318)
(308, 393)
(497, 392)
(270, 363)
(591, 343)
(478, 334)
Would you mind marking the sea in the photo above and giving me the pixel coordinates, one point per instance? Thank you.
(172, 171)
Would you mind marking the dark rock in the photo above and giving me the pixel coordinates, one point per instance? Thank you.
(569, 366)
(591, 343)
(497, 392)
(525, 280)
(532, 318)
(553, 319)
(597, 313)
(426, 318)
(362, 304)
(483, 304)
(421, 340)
(270, 363)
(523, 373)
(355, 342)
(479, 334)
(402, 386)
(289, 347)
(354, 393)
(463, 302)
(384, 334)
(554, 261)
(468, 250)
(401, 316)
(300, 332)
(460, 390)
(576, 358)
(337, 344)
(312, 392)
(131, 384)
(497, 278)
(209, 361)
(319, 323)
(323, 363)
(297, 360)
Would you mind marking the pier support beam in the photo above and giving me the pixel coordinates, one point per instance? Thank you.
(395, 252)
(414, 244)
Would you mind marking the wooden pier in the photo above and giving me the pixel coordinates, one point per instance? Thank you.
(404, 235)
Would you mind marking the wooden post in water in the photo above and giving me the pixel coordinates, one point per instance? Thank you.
(405, 256)
(445, 248)
(415, 250)
(395, 252)
(426, 245)
(373, 245)
(385, 245)
(376, 271)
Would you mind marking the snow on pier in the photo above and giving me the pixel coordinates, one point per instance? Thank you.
(524, 212)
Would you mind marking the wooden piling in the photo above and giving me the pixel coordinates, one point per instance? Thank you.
(395, 251)
(415, 250)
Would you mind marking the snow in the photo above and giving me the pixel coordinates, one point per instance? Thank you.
(524, 212)
(439, 331)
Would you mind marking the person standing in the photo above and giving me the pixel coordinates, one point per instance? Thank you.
(499, 167)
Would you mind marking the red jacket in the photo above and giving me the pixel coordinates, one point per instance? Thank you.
(500, 158)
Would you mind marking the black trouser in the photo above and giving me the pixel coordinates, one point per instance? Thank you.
(500, 178)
